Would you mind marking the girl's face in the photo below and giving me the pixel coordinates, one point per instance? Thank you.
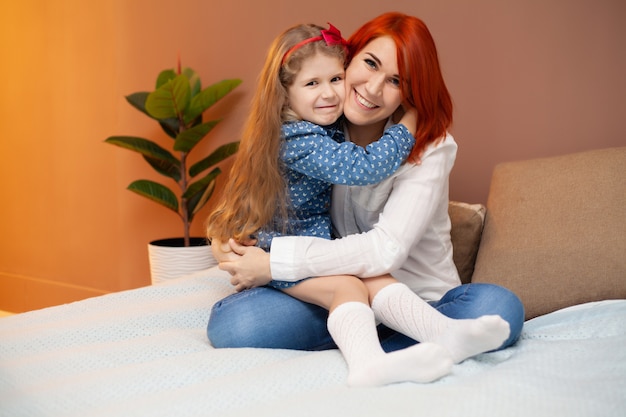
(373, 83)
(318, 92)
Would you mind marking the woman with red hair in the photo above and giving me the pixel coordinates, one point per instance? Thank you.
(395, 235)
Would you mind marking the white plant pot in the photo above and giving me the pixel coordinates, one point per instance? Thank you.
(169, 259)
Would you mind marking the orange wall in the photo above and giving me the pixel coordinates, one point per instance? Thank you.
(529, 78)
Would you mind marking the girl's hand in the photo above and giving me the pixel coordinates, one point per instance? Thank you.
(409, 119)
(249, 266)
(407, 116)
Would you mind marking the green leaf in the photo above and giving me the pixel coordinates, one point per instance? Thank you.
(198, 193)
(169, 100)
(192, 76)
(200, 185)
(143, 146)
(209, 96)
(164, 76)
(170, 127)
(216, 157)
(194, 80)
(186, 141)
(199, 200)
(155, 192)
(164, 167)
(138, 101)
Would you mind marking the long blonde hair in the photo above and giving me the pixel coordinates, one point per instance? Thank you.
(255, 195)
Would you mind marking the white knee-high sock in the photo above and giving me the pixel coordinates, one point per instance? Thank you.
(353, 328)
(399, 308)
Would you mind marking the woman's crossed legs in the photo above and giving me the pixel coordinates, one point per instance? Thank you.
(268, 318)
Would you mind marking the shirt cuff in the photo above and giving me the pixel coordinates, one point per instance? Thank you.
(282, 256)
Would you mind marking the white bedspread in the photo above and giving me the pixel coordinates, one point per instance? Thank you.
(144, 352)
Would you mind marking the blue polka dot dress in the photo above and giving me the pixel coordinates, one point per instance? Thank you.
(316, 157)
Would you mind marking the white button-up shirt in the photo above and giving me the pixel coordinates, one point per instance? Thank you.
(399, 226)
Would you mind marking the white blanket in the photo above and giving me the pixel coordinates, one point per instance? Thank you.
(145, 352)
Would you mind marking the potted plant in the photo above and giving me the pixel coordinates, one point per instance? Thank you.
(178, 104)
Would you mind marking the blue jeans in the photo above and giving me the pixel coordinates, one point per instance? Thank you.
(264, 317)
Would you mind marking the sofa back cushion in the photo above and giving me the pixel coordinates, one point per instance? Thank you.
(555, 230)
(467, 222)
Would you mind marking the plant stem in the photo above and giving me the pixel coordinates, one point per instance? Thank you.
(183, 202)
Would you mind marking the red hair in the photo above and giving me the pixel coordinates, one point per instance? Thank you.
(422, 85)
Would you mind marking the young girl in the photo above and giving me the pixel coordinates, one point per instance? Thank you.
(291, 152)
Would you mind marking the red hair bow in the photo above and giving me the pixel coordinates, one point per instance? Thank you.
(332, 36)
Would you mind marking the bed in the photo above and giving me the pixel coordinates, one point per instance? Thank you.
(144, 352)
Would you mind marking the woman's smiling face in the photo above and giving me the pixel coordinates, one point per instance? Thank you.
(373, 83)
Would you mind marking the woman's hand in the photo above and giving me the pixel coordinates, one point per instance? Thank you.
(249, 266)
(222, 251)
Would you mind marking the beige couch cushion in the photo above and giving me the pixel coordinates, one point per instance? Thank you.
(555, 230)
(467, 226)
